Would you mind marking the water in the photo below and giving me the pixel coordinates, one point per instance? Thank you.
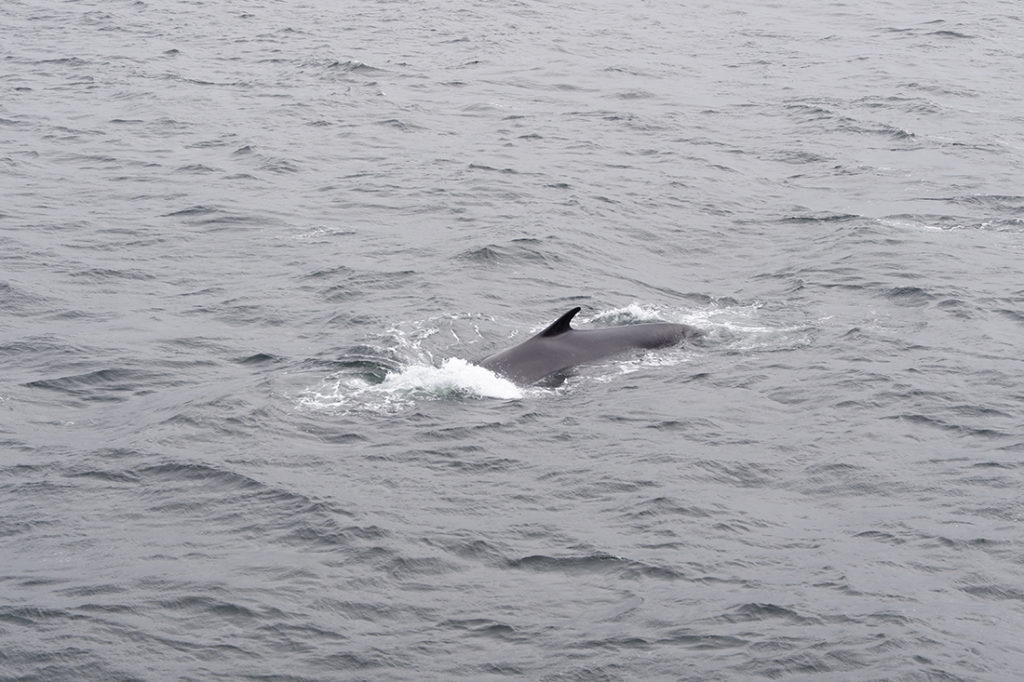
(249, 250)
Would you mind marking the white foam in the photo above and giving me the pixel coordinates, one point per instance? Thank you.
(455, 378)
(632, 313)
(737, 319)
(907, 223)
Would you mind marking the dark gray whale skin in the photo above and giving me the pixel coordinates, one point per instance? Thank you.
(560, 347)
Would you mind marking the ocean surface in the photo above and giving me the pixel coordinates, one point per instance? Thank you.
(250, 250)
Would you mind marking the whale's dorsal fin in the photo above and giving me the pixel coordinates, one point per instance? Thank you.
(561, 325)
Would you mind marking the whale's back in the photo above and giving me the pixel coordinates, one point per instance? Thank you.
(560, 347)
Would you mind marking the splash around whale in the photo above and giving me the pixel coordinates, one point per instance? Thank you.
(560, 347)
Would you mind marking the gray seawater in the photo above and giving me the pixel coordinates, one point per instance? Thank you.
(247, 249)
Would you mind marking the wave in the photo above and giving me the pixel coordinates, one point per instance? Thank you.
(455, 378)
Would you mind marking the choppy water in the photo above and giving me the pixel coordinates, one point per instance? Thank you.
(247, 249)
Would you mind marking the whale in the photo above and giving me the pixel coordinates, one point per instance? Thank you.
(548, 356)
